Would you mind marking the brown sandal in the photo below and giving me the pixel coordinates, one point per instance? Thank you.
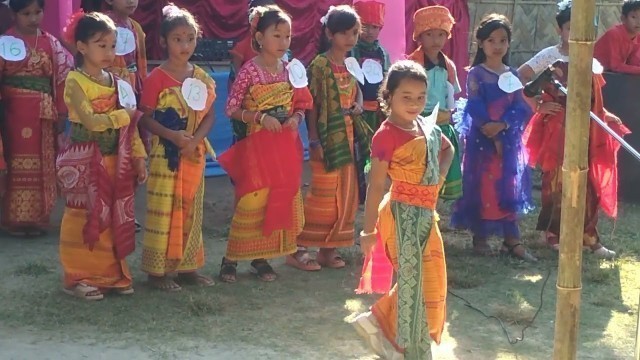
(332, 261)
(510, 250)
(228, 271)
(301, 260)
(264, 271)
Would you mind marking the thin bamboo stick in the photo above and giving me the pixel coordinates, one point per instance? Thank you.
(574, 180)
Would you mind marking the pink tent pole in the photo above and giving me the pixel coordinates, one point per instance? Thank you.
(393, 36)
(57, 14)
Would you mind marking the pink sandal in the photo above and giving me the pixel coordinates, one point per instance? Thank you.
(332, 261)
(302, 261)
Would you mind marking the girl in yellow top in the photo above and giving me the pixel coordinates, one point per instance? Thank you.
(97, 172)
(177, 103)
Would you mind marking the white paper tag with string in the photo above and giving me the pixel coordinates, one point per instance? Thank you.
(126, 95)
(596, 67)
(297, 74)
(194, 92)
(509, 83)
(353, 67)
(12, 48)
(372, 71)
(125, 41)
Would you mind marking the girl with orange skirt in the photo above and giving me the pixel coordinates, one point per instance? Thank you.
(337, 134)
(97, 172)
(400, 230)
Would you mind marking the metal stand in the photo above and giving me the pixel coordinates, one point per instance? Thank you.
(602, 124)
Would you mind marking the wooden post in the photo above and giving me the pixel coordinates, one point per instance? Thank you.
(638, 334)
(574, 180)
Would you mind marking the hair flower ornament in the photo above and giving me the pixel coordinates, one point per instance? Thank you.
(324, 19)
(564, 5)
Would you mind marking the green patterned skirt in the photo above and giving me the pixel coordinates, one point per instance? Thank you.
(452, 188)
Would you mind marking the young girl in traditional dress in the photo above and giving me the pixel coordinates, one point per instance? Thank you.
(544, 140)
(269, 107)
(496, 183)
(432, 29)
(336, 133)
(33, 68)
(177, 102)
(98, 171)
(131, 54)
(400, 229)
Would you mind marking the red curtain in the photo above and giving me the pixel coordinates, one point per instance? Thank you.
(228, 19)
(457, 48)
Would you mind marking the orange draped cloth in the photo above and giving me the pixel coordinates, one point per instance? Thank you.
(407, 221)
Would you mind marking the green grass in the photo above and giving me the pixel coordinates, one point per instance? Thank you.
(302, 314)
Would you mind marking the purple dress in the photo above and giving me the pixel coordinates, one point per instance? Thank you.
(503, 180)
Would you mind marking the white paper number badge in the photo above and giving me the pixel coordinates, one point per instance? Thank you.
(372, 71)
(354, 68)
(596, 67)
(297, 74)
(125, 42)
(126, 96)
(12, 48)
(195, 93)
(509, 83)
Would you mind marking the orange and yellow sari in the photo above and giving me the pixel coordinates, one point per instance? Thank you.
(175, 189)
(332, 200)
(96, 176)
(410, 243)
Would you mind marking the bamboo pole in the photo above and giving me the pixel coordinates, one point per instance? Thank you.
(574, 179)
(637, 355)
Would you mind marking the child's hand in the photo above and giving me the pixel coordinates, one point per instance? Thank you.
(316, 153)
(181, 138)
(292, 122)
(492, 128)
(609, 117)
(140, 167)
(190, 148)
(550, 108)
(132, 112)
(367, 243)
(356, 108)
(271, 124)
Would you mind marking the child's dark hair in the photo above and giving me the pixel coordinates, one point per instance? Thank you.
(338, 19)
(90, 25)
(256, 3)
(489, 24)
(629, 6)
(173, 16)
(267, 16)
(400, 70)
(564, 15)
(19, 5)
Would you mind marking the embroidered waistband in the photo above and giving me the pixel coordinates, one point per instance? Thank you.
(425, 196)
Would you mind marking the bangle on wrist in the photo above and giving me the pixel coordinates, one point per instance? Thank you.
(364, 234)
(256, 117)
(242, 116)
(314, 143)
(262, 118)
